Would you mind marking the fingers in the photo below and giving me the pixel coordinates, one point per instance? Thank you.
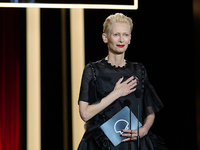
(132, 85)
(133, 132)
(120, 80)
(126, 87)
(131, 81)
(129, 137)
(125, 140)
(130, 134)
(129, 131)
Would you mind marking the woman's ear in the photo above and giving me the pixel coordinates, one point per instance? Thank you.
(105, 38)
(130, 40)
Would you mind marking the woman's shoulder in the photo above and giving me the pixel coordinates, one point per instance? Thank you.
(91, 66)
(95, 63)
(135, 65)
(133, 62)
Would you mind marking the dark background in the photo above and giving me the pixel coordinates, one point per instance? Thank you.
(162, 39)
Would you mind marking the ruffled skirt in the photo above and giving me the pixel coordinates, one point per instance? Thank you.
(97, 140)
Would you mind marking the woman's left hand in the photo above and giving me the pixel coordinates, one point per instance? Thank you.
(132, 134)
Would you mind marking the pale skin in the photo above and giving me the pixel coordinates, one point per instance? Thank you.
(117, 40)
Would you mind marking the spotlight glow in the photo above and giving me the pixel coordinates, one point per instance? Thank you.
(84, 6)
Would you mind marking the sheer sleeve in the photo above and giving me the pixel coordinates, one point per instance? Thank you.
(152, 102)
(84, 89)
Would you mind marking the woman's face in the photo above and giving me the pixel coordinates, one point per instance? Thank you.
(118, 38)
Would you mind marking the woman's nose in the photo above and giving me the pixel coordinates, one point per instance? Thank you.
(121, 39)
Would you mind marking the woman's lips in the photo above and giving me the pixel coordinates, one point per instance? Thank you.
(120, 46)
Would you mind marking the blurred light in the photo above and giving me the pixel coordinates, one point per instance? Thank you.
(85, 6)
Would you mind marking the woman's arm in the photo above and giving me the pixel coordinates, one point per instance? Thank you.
(148, 122)
(121, 89)
(132, 134)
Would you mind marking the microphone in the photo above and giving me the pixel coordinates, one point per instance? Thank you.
(127, 103)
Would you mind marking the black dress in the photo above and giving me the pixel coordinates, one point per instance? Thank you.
(107, 76)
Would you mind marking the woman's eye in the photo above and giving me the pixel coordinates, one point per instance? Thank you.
(126, 34)
(115, 34)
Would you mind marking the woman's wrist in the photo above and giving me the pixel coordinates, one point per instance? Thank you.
(145, 129)
(115, 94)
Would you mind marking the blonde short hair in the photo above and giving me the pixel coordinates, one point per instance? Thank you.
(118, 17)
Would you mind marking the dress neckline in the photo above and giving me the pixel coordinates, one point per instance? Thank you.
(113, 66)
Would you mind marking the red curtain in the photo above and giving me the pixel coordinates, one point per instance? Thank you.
(10, 137)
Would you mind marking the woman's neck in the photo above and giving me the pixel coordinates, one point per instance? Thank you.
(116, 60)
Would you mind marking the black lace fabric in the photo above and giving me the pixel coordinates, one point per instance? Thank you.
(152, 102)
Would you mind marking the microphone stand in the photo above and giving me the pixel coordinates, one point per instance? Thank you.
(138, 137)
(130, 126)
(138, 95)
(129, 144)
(128, 103)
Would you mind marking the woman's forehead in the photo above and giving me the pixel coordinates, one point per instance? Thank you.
(120, 27)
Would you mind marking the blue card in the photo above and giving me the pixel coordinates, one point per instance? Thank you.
(112, 128)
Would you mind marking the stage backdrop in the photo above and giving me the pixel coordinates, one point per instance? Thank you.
(162, 40)
(10, 80)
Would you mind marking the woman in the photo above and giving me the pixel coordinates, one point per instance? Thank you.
(115, 79)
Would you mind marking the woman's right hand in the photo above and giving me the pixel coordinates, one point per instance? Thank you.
(126, 87)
